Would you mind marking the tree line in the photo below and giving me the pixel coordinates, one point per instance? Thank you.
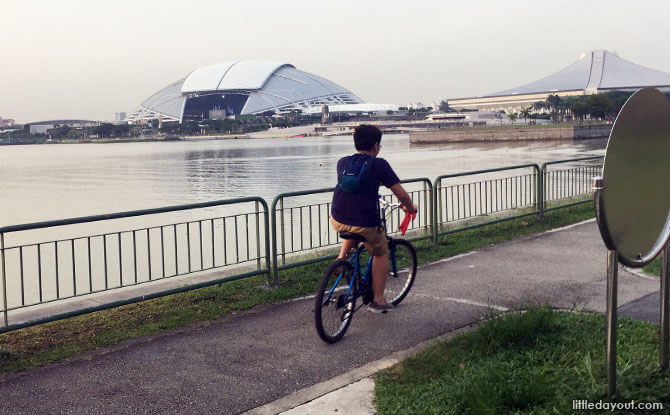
(598, 107)
(65, 132)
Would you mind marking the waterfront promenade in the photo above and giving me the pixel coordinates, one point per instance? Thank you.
(269, 359)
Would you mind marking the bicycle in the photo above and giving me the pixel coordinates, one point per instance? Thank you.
(343, 283)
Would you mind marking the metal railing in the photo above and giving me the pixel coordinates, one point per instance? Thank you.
(478, 198)
(300, 223)
(288, 219)
(240, 243)
(41, 272)
(572, 182)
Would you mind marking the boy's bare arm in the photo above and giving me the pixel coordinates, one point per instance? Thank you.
(403, 197)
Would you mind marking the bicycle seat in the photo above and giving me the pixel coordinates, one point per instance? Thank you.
(354, 236)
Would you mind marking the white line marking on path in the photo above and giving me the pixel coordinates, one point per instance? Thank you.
(566, 227)
(462, 301)
(307, 297)
(451, 258)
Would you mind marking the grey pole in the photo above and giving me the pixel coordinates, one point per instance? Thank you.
(665, 306)
(4, 278)
(612, 270)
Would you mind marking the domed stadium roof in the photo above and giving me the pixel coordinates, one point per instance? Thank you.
(240, 88)
(597, 70)
(594, 72)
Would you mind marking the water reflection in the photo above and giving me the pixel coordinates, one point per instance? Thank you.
(43, 182)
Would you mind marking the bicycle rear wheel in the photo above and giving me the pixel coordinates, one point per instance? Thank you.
(334, 304)
(402, 270)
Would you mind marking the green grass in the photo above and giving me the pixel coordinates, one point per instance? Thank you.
(654, 267)
(525, 363)
(38, 345)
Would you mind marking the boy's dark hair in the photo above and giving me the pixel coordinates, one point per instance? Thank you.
(365, 137)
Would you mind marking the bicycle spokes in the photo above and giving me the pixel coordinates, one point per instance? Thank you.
(334, 301)
(402, 269)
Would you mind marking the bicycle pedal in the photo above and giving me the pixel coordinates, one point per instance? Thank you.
(341, 300)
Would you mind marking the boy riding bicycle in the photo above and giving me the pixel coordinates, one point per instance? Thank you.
(355, 205)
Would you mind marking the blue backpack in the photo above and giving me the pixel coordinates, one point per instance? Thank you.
(356, 175)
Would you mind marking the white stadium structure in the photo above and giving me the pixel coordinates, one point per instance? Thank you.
(246, 87)
(595, 72)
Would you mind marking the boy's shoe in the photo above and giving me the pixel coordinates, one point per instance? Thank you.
(379, 308)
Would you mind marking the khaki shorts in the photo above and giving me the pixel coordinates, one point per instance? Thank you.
(375, 237)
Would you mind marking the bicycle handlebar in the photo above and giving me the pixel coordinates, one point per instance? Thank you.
(409, 216)
(386, 204)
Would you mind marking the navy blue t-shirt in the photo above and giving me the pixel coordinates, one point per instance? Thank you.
(360, 209)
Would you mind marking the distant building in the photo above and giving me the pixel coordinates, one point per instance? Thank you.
(42, 127)
(241, 88)
(120, 116)
(471, 118)
(438, 103)
(594, 72)
(5, 122)
(325, 114)
(353, 109)
(416, 106)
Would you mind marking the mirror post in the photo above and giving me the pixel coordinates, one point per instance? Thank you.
(612, 270)
(665, 307)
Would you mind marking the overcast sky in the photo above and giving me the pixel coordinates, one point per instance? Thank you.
(87, 59)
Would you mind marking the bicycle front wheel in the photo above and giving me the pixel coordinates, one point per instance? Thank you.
(334, 304)
(402, 270)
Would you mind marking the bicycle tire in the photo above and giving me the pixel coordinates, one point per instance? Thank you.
(399, 283)
(333, 313)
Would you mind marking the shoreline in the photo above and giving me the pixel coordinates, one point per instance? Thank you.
(416, 135)
(505, 134)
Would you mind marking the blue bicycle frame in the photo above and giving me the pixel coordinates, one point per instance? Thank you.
(357, 282)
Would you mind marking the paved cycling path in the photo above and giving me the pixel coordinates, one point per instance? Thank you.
(252, 358)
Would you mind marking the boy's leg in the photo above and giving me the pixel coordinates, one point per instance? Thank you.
(380, 266)
(347, 245)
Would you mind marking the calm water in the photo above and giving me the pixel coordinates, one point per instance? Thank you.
(44, 182)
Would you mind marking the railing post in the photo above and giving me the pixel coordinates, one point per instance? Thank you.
(435, 207)
(431, 211)
(281, 226)
(439, 200)
(540, 173)
(273, 230)
(266, 224)
(425, 203)
(258, 237)
(4, 278)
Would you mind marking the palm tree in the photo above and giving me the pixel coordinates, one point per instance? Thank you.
(513, 116)
(539, 105)
(552, 103)
(525, 113)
